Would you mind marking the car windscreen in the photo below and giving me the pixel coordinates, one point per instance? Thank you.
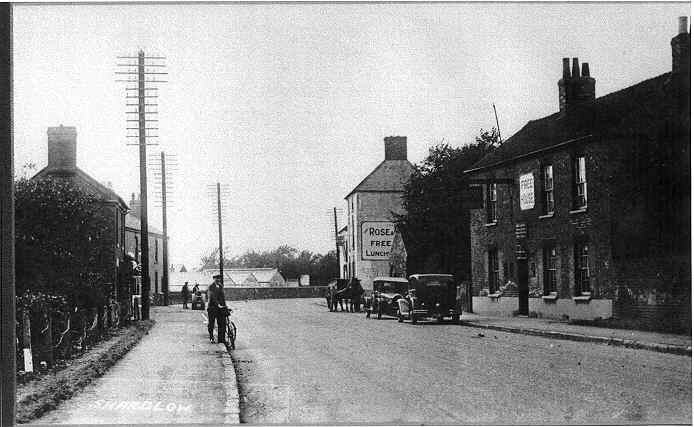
(435, 282)
(390, 287)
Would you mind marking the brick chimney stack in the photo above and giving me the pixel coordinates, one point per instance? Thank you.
(396, 147)
(62, 148)
(681, 48)
(135, 205)
(576, 85)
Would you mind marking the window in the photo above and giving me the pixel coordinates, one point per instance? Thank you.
(493, 270)
(580, 196)
(549, 266)
(156, 282)
(156, 250)
(492, 210)
(581, 271)
(548, 183)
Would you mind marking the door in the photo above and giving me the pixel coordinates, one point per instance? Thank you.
(523, 286)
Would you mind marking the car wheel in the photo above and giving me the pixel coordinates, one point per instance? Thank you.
(400, 318)
(413, 317)
(456, 318)
(368, 312)
(439, 319)
(380, 312)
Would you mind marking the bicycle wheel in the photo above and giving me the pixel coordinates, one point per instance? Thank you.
(231, 334)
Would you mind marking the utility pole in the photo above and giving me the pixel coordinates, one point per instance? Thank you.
(337, 243)
(8, 341)
(221, 192)
(219, 222)
(140, 70)
(498, 131)
(162, 168)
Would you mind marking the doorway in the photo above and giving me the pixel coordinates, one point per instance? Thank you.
(523, 286)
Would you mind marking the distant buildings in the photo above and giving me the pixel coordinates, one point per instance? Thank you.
(251, 277)
(370, 207)
(156, 245)
(596, 220)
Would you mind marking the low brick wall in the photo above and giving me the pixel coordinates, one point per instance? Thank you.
(235, 294)
(505, 306)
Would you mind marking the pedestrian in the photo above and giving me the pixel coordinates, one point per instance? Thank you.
(356, 292)
(216, 309)
(196, 289)
(185, 293)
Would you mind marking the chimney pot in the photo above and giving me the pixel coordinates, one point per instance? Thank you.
(566, 68)
(683, 25)
(396, 147)
(574, 69)
(585, 71)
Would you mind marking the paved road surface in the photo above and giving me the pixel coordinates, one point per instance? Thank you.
(299, 363)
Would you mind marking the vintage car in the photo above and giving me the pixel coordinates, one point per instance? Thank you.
(429, 295)
(384, 298)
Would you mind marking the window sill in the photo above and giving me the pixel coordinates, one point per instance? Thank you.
(584, 297)
(578, 211)
(551, 297)
(491, 224)
(549, 215)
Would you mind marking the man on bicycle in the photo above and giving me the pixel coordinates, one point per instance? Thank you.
(216, 309)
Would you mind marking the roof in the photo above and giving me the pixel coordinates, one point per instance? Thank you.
(635, 110)
(241, 275)
(389, 176)
(133, 222)
(390, 279)
(79, 175)
(177, 279)
(427, 276)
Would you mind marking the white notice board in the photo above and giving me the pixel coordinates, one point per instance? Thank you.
(527, 191)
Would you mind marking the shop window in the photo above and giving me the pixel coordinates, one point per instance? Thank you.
(492, 204)
(548, 193)
(580, 194)
(493, 258)
(549, 266)
(581, 270)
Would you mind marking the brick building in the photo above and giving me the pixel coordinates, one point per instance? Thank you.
(156, 247)
(370, 208)
(587, 211)
(62, 164)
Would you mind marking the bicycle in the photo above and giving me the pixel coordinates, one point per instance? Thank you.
(230, 330)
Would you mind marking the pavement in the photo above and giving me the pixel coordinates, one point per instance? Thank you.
(173, 376)
(549, 328)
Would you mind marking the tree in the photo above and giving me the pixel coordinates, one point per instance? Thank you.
(62, 242)
(436, 226)
(288, 260)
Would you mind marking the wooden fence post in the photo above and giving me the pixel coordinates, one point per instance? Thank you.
(47, 341)
(26, 342)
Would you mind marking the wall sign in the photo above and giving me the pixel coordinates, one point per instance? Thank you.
(377, 239)
(527, 191)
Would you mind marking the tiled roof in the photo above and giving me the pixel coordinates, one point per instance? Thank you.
(390, 175)
(133, 222)
(636, 110)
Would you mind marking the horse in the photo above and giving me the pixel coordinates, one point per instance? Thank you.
(338, 293)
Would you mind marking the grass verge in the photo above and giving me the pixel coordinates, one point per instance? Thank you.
(40, 395)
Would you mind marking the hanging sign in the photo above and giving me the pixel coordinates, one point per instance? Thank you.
(527, 191)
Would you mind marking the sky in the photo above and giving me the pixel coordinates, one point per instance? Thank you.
(288, 104)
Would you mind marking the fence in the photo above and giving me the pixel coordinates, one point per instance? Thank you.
(47, 335)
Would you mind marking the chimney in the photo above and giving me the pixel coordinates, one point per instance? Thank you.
(135, 205)
(396, 147)
(62, 148)
(681, 49)
(576, 86)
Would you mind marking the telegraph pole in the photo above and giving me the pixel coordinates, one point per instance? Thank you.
(162, 167)
(337, 243)
(219, 222)
(8, 363)
(140, 70)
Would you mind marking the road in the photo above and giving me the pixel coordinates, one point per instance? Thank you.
(298, 363)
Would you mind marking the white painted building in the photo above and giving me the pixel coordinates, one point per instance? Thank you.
(370, 205)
